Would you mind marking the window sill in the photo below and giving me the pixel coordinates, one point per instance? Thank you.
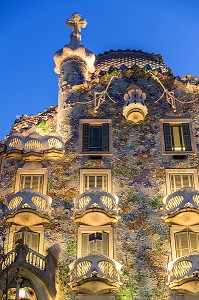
(95, 153)
(178, 153)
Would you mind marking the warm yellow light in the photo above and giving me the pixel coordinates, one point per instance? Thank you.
(22, 293)
(170, 266)
(165, 199)
(116, 199)
(118, 266)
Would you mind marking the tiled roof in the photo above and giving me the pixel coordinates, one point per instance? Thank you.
(130, 58)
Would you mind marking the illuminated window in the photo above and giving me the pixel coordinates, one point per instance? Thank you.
(29, 238)
(35, 182)
(186, 241)
(32, 178)
(180, 178)
(95, 242)
(95, 136)
(177, 137)
(91, 178)
(95, 239)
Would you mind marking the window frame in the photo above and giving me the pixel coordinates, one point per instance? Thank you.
(107, 172)
(168, 172)
(95, 122)
(37, 229)
(38, 171)
(176, 121)
(91, 229)
(176, 229)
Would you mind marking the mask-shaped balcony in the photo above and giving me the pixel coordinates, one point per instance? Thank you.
(95, 207)
(28, 207)
(34, 146)
(182, 207)
(183, 274)
(94, 274)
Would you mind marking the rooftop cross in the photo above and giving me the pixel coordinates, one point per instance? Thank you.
(76, 22)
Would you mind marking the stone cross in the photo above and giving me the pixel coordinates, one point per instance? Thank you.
(76, 22)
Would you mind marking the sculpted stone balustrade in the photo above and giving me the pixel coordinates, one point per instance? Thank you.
(183, 274)
(94, 274)
(182, 207)
(28, 207)
(95, 207)
(135, 110)
(39, 270)
(34, 146)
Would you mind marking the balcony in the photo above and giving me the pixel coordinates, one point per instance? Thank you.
(183, 274)
(40, 271)
(94, 274)
(95, 207)
(182, 207)
(28, 207)
(135, 110)
(34, 146)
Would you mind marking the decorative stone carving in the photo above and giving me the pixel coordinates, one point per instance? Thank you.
(74, 57)
(95, 207)
(182, 207)
(183, 274)
(135, 109)
(96, 274)
(28, 207)
(50, 145)
(76, 23)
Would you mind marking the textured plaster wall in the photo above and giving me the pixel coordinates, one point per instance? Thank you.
(138, 173)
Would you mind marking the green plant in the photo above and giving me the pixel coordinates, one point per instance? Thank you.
(157, 201)
(125, 172)
(115, 73)
(43, 126)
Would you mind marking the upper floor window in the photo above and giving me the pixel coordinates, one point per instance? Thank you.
(95, 242)
(91, 178)
(180, 178)
(29, 238)
(186, 241)
(176, 136)
(95, 239)
(35, 182)
(32, 178)
(95, 136)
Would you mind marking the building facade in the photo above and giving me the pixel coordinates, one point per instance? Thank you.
(99, 194)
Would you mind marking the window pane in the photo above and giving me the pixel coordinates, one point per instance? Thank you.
(91, 181)
(105, 241)
(181, 240)
(193, 237)
(32, 181)
(95, 242)
(95, 180)
(178, 181)
(17, 236)
(178, 143)
(85, 243)
(95, 138)
(99, 181)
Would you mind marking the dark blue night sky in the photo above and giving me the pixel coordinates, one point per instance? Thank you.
(31, 31)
